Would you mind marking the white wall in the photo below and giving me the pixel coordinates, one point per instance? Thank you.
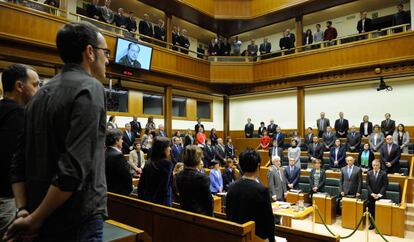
(282, 107)
(356, 101)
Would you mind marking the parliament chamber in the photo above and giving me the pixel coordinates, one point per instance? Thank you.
(215, 74)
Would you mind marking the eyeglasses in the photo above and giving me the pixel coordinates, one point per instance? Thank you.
(107, 52)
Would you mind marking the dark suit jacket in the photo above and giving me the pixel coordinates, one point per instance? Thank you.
(194, 189)
(260, 131)
(329, 140)
(387, 128)
(310, 41)
(370, 158)
(127, 142)
(341, 128)
(159, 33)
(132, 25)
(136, 128)
(285, 43)
(209, 154)
(279, 152)
(340, 157)
(213, 49)
(145, 28)
(271, 130)
(353, 140)
(230, 151)
(252, 50)
(185, 43)
(361, 128)
(121, 21)
(228, 178)
(308, 140)
(315, 152)
(292, 178)
(188, 141)
(367, 25)
(220, 153)
(352, 185)
(248, 130)
(265, 48)
(176, 153)
(117, 170)
(280, 138)
(197, 126)
(213, 138)
(379, 185)
(393, 158)
(322, 179)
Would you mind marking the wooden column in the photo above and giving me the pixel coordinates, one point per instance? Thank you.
(168, 27)
(299, 30)
(226, 117)
(300, 97)
(168, 110)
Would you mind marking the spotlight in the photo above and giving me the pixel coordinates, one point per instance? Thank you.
(383, 86)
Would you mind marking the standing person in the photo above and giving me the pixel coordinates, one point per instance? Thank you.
(213, 48)
(159, 32)
(399, 18)
(337, 155)
(188, 139)
(279, 136)
(176, 150)
(353, 140)
(318, 35)
(128, 139)
(291, 37)
(220, 150)
(117, 169)
(213, 137)
(193, 186)
(275, 151)
(145, 28)
(155, 184)
(322, 123)
(261, 129)
(161, 131)
(136, 127)
(365, 158)
(296, 136)
(92, 10)
(402, 138)
(308, 37)
(209, 154)
(112, 123)
(249, 129)
(20, 83)
(248, 200)
(390, 156)
(198, 125)
(330, 33)
(252, 49)
(277, 181)
(176, 38)
(365, 128)
(184, 41)
(292, 174)
(265, 141)
(216, 179)
(285, 43)
(201, 137)
(107, 14)
(120, 19)
(132, 24)
(315, 150)
(350, 183)
(226, 46)
(150, 124)
(376, 139)
(236, 46)
(294, 153)
(136, 160)
(62, 169)
(328, 138)
(271, 128)
(377, 183)
(265, 48)
(147, 140)
(364, 24)
(308, 138)
(230, 150)
(317, 178)
(229, 175)
(341, 126)
(388, 125)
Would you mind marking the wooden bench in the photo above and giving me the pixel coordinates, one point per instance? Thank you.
(115, 231)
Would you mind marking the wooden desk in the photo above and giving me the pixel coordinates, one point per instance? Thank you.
(217, 204)
(288, 214)
(327, 208)
(292, 197)
(115, 231)
(352, 211)
(383, 215)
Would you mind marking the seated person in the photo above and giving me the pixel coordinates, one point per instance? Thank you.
(117, 171)
(248, 200)
(216, 179)
(292, 174)
(353, 141)
(337, 155)
(229, 175)
(365, 158)
(376, 139)
(136, 160)
(328, 138)
(377, 183)
(277, 180)
(317, 178)
(264, 141)
(350, 183)
(192, 185)
(275, 151)
(315, 150)
(390, 156)
(208, 154)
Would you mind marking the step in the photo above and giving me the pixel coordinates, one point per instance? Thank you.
(410, 216)
(410, 207)
(409, 226)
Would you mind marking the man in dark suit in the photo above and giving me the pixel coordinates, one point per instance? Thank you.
(159, 31)
(322, 123)
(388, 125)
(184, 41)
(265, 48)
(136, 127)
(92, 10)
(291, 37)
(337, 155)
(328, 138)
(145, 28)
(252, 49)
(271, 128)
(209, 153)
(161, 131)
(117, 169)
(341, 126)
(275, 151)
(128, 139)
(120, 19)
(350, 183)
(390, 156)
(364, 24)
(292, 174)
(401, 17)
(198, 125)
(315, 150)
(175, 37)
(220, 150)
(249, 129)
(353, 140)
(309, 137)
(132, 24)
(176, 150)
(279, 136)
(377, 183)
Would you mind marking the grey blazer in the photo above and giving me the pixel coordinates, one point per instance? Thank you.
(295, 154)
(325, 124)
(379, 142)
(352, 185)
(405, 140)
(277, 187)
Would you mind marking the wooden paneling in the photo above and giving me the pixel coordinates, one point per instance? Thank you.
(204, 6)
(230, 9)
(231, 72)
(261, 7)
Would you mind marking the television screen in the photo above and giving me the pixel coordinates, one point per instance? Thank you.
(132, 54)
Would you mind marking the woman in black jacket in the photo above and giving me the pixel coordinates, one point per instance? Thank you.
(317, 178)
(229, 175)
(213, 137)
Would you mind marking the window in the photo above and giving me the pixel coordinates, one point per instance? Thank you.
(204, 109)
(152, 104)
(179, 106)
(117, 100)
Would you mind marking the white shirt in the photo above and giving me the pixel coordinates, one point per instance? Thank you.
(365, 128)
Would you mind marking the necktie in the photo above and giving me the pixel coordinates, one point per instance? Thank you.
(349, 172)
(389, 149)
(336, 153)
(376, 175)
(341, 123)
(129, 135)
(353, 135)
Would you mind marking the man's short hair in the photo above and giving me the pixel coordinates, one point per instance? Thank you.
(329, 22)
(192, 155)
(112, 136)
(13, 73)
(249, 160)
(131, 44)
(72, 39)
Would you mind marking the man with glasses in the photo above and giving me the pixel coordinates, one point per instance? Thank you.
(131, 58)
(58, 172)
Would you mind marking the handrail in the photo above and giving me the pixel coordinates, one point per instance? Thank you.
(404, 194)
(411, 172)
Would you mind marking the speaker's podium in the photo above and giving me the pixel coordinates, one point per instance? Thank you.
(294, 197)
(327, 207)
(352, 211)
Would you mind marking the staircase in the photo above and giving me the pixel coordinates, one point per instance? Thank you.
(409, 221)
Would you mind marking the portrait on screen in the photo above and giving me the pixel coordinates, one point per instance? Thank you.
(132, 54)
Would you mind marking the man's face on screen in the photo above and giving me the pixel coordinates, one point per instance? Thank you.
(133, 52)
